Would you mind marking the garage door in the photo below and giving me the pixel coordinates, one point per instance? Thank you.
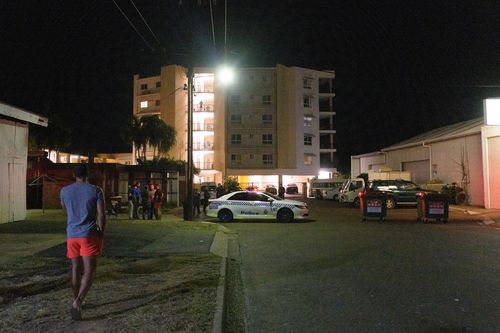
(494, 167)
(419, 170)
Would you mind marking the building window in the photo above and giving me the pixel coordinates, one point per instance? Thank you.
(267, 119)
(307, 83)
(267, 159)
(235, 139)
(158, 84)
(251, 77)
(308, 121)
(266, 99)
(157, 102)
(326, 86)
(235, 99)
(307, 101)
(144, 104)
(236, 159)
(308, 140)
(251, 156)
(144, 86)
(308, 159)
(267, 139)
(264, 78)
(236, 119)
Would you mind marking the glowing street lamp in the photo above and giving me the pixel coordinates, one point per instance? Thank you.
(225, 75)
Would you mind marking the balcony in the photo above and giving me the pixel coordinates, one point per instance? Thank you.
(204, 165)
(203, 127)
(149, 91)
(201, 146)
(203, 108)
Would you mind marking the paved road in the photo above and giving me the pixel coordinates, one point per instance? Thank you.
(338, 274)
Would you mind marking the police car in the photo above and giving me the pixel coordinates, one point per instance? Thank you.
(256, 205)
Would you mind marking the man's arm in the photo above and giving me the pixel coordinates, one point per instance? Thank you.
(101, 212)
(101, 216)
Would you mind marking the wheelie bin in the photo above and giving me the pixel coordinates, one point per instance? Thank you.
(373, 205)
(432, 206)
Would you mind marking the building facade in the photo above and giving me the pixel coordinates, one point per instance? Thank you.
(272, 126)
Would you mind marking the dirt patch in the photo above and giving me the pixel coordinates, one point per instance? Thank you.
(163, 294)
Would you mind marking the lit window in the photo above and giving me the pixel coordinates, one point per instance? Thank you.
(267, 159)
(308, 160)
(267, 139)
(144, 86)
(236, 119)
(144, 104)
(307, 101)
(308, 140)
(236, 139)
(235, 99)
(267, 119)
(308, 121)
(266, 99)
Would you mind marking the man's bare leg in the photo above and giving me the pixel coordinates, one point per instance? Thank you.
(76, 274)
(89, 265)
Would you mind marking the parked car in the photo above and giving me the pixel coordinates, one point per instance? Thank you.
(292, 189)
(399, 192)
(271, 189)
(256, 205)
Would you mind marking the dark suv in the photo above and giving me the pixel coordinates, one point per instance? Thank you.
(398, 191)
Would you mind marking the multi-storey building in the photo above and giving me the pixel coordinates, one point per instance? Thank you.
(272, 126)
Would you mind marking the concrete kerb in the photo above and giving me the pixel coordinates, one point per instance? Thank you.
(482, 216)
(219, 247)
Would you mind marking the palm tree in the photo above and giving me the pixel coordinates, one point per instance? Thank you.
(149, 131)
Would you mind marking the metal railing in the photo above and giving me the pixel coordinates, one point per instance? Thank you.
(203, 108)
(202, 146)
(203, 127)
(204, 165)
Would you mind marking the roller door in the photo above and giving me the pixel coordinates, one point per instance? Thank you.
(419, 170)
(494, 169)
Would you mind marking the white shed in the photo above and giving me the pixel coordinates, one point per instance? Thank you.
(13, 160)
(452, 153)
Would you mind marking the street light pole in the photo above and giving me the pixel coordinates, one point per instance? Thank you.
(189, 176)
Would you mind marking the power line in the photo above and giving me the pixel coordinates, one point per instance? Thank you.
(133, 26)
(212, 20)
(146, 23)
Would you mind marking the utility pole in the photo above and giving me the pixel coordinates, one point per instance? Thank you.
(189, 176)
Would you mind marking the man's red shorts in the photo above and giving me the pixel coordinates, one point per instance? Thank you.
(84, 246)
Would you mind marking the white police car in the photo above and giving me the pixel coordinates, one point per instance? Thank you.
(256, 205)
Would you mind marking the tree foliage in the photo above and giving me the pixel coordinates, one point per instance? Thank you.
(149, 132)
(231, 184)
(57, 136)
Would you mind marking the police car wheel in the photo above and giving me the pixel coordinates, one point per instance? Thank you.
(285, 215)
(225, 215)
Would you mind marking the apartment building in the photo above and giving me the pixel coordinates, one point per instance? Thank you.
(271, 126)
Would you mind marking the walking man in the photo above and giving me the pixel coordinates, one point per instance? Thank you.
(83, 204)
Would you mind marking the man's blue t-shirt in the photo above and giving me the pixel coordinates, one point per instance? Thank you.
(80, 201)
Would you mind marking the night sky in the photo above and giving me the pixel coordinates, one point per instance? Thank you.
(402, 67)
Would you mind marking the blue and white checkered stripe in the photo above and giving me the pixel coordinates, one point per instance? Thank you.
(216, 204)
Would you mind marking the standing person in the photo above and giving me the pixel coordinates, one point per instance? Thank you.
(131, 206)
(219, 191)
(281, 192)
(146, 203)
(158, 199)
(151, 196)
(196, 202)
(206, 196)
(137, 198)
(83, 204)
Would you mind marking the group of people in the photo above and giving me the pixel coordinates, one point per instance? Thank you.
(201, 199)
(150, 197)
